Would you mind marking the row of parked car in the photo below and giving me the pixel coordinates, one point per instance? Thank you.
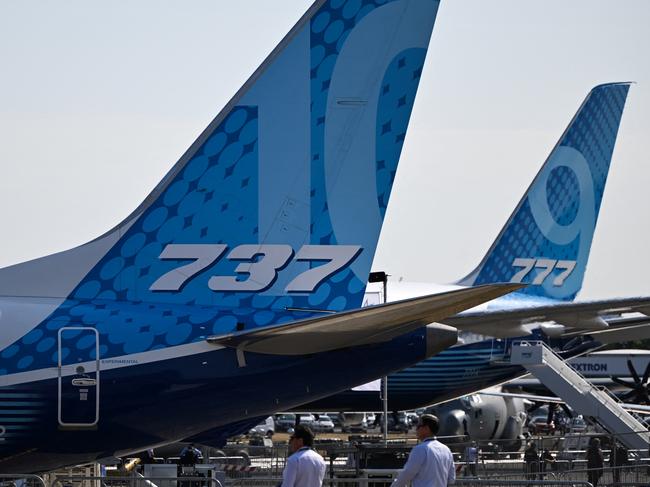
(539, 425)
(285, 422)
(317, 422)
(329, 423)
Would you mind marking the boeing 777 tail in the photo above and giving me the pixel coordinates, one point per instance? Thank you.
(546, 241)
(545, 244)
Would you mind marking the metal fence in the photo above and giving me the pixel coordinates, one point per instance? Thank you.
(352, 463)
(494, 463)
(363, 478)
(10, 480)
(135, 481)
(379, 482)
(519, 483)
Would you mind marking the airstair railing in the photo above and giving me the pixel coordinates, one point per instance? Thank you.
(584, 387)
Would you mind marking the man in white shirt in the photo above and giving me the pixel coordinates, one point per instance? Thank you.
(305, 467)
(430, 463)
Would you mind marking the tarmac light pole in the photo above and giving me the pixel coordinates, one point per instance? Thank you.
(383, 278)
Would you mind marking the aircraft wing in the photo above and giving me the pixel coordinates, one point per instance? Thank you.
(529, 382)
(362, 326)
(622, 330)
(608, 320)
(633, 408)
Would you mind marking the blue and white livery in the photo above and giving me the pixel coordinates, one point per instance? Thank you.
(234, 289)
(547, 240)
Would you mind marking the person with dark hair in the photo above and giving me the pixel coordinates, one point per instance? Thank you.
(305, 467)
(471, 458)
(147, 457)
(546, 461)
(531, 460)
(430, 463)
(618, 460)
(594, 462)
(190, 456)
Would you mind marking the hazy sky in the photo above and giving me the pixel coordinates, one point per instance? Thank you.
(99, 99)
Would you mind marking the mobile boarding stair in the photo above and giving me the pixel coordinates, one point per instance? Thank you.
(579, 393)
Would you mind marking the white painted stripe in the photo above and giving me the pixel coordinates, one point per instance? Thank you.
(114, 362)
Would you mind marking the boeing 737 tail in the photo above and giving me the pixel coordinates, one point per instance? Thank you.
(272, 215)
(546, 241)
(231, 293)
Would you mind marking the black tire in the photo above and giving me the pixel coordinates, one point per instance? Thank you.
(244, 454)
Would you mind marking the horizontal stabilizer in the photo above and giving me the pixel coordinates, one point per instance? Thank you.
(360, 327)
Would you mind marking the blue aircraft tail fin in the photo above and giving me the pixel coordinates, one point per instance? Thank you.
(274, 213)
(283, 195)
(547, 239)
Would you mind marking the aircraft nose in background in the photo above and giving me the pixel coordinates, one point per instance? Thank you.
(440, 337)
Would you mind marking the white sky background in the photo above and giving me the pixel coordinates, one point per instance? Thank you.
(99, 99)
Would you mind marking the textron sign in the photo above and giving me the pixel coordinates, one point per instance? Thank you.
(590, 367)
(608, 364)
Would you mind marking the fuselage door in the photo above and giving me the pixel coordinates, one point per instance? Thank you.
(78, 403)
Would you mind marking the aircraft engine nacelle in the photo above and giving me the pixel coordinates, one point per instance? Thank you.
(513, 431)
(440, 337)
(453, 422)
(488, 417)
(552, 329)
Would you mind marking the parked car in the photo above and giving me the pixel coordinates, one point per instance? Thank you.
(412, 419)
(339, 421)
(349, 422)
(324, 424)
(307, 420)
(539, 426)
(285, 421)
(577, 425)
(396, 422)
(399, 423)
(370, 419)
(265, 428)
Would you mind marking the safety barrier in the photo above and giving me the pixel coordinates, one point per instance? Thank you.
(567, 463)
(346, 463)
(21, 480)
(374, 482)
(519, 483)
(628, 476)
(327, 482)
(135, 481)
